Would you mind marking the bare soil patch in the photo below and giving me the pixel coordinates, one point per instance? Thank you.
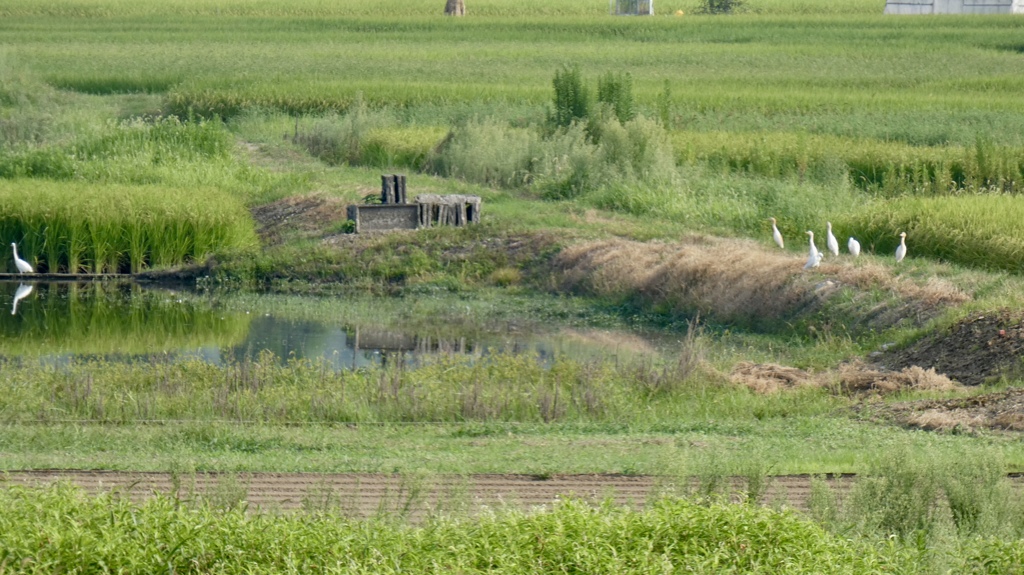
(298, 216)
(1003, 411)
(980, 348)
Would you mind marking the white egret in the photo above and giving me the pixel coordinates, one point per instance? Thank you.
(854, 246)
(830, 240)
(20, 294)
(901, 251)
(814, 257)
(22, 265)
(776, 235)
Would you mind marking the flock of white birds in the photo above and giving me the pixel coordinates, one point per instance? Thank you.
(814, 257)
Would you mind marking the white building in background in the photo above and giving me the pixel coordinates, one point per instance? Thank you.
(631, 7)
(954, 7)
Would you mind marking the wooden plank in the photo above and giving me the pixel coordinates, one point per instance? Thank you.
(63, 277)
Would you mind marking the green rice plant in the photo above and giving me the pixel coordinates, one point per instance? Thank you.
(70, 226)
(400, 147)
(977, 230)
(883, 168)
(96, 533)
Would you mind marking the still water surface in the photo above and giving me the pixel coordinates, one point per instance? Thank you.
(59, 322)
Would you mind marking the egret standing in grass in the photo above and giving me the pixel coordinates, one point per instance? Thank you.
(830, 240)
(814, 257)
(22, 265)
(854, 246)
(776, 235)
(901, 251)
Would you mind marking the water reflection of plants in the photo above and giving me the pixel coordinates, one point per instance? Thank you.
(114, 319)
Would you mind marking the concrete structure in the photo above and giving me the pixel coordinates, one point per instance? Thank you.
(384, 217)
(632, 7)
(954, 7)
(394, 213)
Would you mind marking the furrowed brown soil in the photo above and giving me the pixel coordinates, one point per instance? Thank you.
(364, 495)
(301, 217)
(1003, 411)
(982, 347)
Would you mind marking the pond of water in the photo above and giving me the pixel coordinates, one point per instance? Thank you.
(59, 322)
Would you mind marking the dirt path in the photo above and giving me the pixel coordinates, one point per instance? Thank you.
(362, 495)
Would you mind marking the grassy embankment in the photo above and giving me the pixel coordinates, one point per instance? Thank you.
(804, 111)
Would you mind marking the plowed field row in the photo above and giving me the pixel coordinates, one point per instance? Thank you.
(363, 495)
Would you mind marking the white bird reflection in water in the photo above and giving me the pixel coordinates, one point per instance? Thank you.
(21, 293)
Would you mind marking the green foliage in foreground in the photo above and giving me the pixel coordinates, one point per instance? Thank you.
(982, 230)
(58, 529)
(71, 226)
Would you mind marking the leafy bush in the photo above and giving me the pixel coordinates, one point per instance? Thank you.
(487, 152)
(572, 98)
(719, 6)
(616, 90)
(339, 138)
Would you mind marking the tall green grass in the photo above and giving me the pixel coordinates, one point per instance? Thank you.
(109, 533)
(71, 226)
(498, 388)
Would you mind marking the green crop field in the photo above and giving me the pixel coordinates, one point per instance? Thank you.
(628, 167)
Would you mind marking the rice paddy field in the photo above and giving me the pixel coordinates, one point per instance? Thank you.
(628, 167)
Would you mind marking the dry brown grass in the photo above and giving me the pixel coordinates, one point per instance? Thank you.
(731, 279)
(853, 378)
(856, 377)
(938, 420)
(771, 378)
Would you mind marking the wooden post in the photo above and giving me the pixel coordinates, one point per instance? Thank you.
(387, 190)
(400, 188)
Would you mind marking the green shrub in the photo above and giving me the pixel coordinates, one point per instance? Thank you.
(572, 97)
(616, 90)
(719, 6)
(487, 152)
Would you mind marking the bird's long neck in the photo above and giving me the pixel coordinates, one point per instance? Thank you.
(15, 249)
